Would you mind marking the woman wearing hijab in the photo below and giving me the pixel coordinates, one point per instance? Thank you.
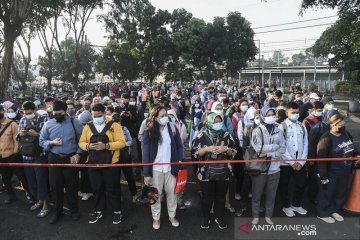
(268, 142)
(214, 143)
(218, 109)
(13, 114)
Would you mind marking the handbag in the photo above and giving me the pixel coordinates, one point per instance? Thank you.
(181, 181)
(255, 167)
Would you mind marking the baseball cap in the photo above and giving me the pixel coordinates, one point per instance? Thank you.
(314, 96)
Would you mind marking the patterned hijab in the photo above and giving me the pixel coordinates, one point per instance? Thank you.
(209, 126)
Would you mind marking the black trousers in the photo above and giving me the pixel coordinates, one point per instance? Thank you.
(64, 178)
(245, 190)
(213, 192)
(38, 179)
(7, 173)
(312, 181)
(85, 185)
(105, 183)
(300, 180)
(332, 196)
(128, 172)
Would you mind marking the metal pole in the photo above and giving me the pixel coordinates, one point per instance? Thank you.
(259, 58)
(329, 85)
(304, 80)
(262, 75)
(314, 69)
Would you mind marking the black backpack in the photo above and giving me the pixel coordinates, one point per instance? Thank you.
(103, 156)
(29, 145)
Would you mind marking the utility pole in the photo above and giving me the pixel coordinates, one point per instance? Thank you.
(262, 74)
(258, 40)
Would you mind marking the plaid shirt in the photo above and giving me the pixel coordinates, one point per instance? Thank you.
(36, 124)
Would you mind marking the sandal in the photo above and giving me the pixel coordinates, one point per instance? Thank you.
(43, 213)
(35, 206)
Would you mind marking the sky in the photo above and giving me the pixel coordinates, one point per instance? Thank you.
(257, 12)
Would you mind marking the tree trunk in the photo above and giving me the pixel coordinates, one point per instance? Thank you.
(50, 73)
(6, 65)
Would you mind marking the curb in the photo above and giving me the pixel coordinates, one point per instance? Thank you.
(355, 119)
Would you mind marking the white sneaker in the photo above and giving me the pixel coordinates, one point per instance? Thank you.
(327, 219)
(237, 196)
(269, 221)
(337, 217)
(156, 224)
(289, 212)
(299, 210)
(174, 222)
(86, 196)
(255, 221)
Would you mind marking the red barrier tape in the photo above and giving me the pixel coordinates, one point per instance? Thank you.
(175, 163)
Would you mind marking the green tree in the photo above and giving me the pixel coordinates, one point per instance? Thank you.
(60, 67)
(340, 42)
(14, 15)
(119, 60)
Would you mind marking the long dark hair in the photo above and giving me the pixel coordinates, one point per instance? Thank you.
(152, 124)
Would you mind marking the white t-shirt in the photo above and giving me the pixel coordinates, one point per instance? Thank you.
(164, 152)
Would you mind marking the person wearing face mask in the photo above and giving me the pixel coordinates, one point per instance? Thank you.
(59, 137)
(103, 139)
(212, 143)
(218, 109)
(254, 120)
(37, 177)
(162, 143)
(9, 147)
(305, 110)
(268, 142)
(49, 106)
(13, 114)
(314, 119)
(334, 175)
(296, 139)
(85, 116)
(328, 105)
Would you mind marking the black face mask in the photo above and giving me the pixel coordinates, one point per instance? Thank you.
(59, 118)
(1, 116)
(341, 129)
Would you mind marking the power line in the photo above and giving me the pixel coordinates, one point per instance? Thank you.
(299, 40)
(286, 50)
(287, 29)
(289, 23)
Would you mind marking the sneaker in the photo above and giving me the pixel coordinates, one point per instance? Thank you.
(327, 219)
(43, 213)
(95, 217)
(156, 224)
(231, 209)
(181, 206)
(237, 196)
(269, 221)
(337, 217)
(86, 196)
(240, 212)
(174, 222)
(205, 224)
(255, 221)
(221, 223)
(117, 216)
(299, 210)
(289, 212)
(136, 197)
(36, 206)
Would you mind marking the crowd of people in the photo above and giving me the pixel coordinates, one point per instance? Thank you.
(159, 124)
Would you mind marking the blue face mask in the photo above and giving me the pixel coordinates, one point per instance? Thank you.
(244, 108)
(330, 107)
(99, 120)
(164, 120)
(218, 126)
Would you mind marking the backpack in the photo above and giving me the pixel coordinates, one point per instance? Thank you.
(29, 145)
(216, 171)
(103, 156)
(284, 125)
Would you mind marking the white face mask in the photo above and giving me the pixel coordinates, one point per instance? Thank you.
(294, 117)
(270, 120)
(146, 115)
(219, 112)
(197, 105)
(257, 121)
(164, 120)
(132, 103)
(11, 115)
